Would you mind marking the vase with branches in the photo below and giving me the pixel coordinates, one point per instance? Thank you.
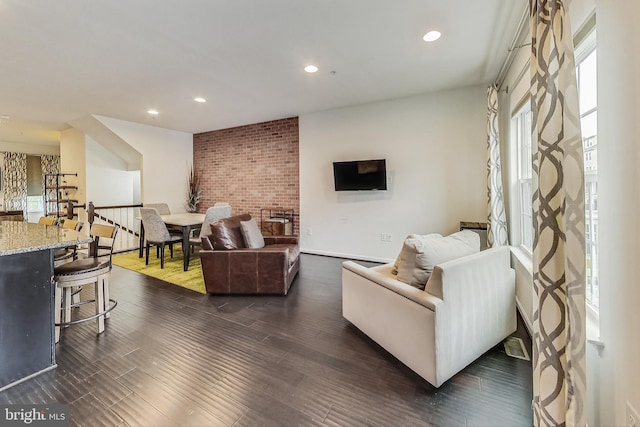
(193, 190)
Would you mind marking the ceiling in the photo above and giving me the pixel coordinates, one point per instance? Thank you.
(67, 59)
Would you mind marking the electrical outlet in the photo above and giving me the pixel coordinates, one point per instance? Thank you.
(632, 416)
(386, 237)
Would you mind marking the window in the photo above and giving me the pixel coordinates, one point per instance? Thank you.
(521, 125)
(586, 73)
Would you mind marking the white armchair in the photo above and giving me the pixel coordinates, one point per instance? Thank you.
(467, 307)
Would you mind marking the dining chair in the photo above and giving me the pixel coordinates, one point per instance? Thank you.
(95, 269)
(213, 214)
(157, 234)
(162, 208)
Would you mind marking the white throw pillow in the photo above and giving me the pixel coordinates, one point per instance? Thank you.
(252, 235)
(420, 254)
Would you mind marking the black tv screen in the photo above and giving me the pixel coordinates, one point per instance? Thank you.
(360, 175)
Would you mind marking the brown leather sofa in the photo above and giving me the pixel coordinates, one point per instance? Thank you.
(229, 267)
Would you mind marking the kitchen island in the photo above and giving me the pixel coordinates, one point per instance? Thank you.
(27, 345)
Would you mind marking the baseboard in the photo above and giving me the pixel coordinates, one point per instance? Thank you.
(346, 256)
(527, 321)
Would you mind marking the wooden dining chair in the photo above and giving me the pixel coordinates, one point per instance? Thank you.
(157, 234)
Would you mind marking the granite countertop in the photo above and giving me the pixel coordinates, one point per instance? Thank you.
(19, 237)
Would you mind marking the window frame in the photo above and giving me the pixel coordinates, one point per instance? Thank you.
(521, 131)
(583, 50)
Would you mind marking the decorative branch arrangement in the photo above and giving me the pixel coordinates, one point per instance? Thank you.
(193, 190)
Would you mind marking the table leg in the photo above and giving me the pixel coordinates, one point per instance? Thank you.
(140, 249)
(186, 231)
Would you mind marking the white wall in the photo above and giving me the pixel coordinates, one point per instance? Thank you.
(21, 147)
(618, 44)
(104, 167)
(166, 158)
(435, 147)
(72, 160)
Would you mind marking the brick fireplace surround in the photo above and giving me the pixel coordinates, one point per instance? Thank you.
(251, 167)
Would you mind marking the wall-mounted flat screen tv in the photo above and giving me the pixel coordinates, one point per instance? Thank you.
(360, 175)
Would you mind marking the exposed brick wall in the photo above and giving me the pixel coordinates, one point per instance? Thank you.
(251, 167)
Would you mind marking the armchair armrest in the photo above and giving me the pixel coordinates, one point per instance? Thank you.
(416, 295)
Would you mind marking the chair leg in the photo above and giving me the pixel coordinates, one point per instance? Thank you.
(171, 249)
(99, 296)
(58, 310)
(105, 291)
(66, 304)
(161, 255)
(75, 296)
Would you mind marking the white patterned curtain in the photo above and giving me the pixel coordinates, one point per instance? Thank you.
(50, 165)
(15, 182)
(559, 380)
(496, 219)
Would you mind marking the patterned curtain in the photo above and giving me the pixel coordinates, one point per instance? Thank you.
(15, 182)
(559, 380)
(50, 165)
(497, 219)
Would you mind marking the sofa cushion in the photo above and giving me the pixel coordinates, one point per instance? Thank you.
(406, 253)
(226, 233)
(251, 234)
(420, 254)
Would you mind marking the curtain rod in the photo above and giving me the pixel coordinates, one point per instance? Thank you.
(524, 20)
(511, 49)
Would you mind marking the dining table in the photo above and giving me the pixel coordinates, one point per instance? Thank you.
(186, 223)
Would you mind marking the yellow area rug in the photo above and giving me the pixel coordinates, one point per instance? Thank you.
(172, 271)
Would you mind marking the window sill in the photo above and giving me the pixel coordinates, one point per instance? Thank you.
(593, 328)
(524, 258)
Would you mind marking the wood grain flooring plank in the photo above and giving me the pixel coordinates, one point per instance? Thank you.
(106, 389)
(90, 411)
(137, 412)
(182, 396)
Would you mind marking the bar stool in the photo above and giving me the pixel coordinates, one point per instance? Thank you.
(92, 270)
(63, 255)
(47, 220)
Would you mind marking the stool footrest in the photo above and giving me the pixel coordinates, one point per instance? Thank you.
(112, 304)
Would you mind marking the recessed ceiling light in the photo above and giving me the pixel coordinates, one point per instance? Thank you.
(432, 36)
(199, 99)
(311, 68)
(153, 112)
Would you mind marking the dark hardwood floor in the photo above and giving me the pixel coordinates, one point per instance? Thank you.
(171, 357)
